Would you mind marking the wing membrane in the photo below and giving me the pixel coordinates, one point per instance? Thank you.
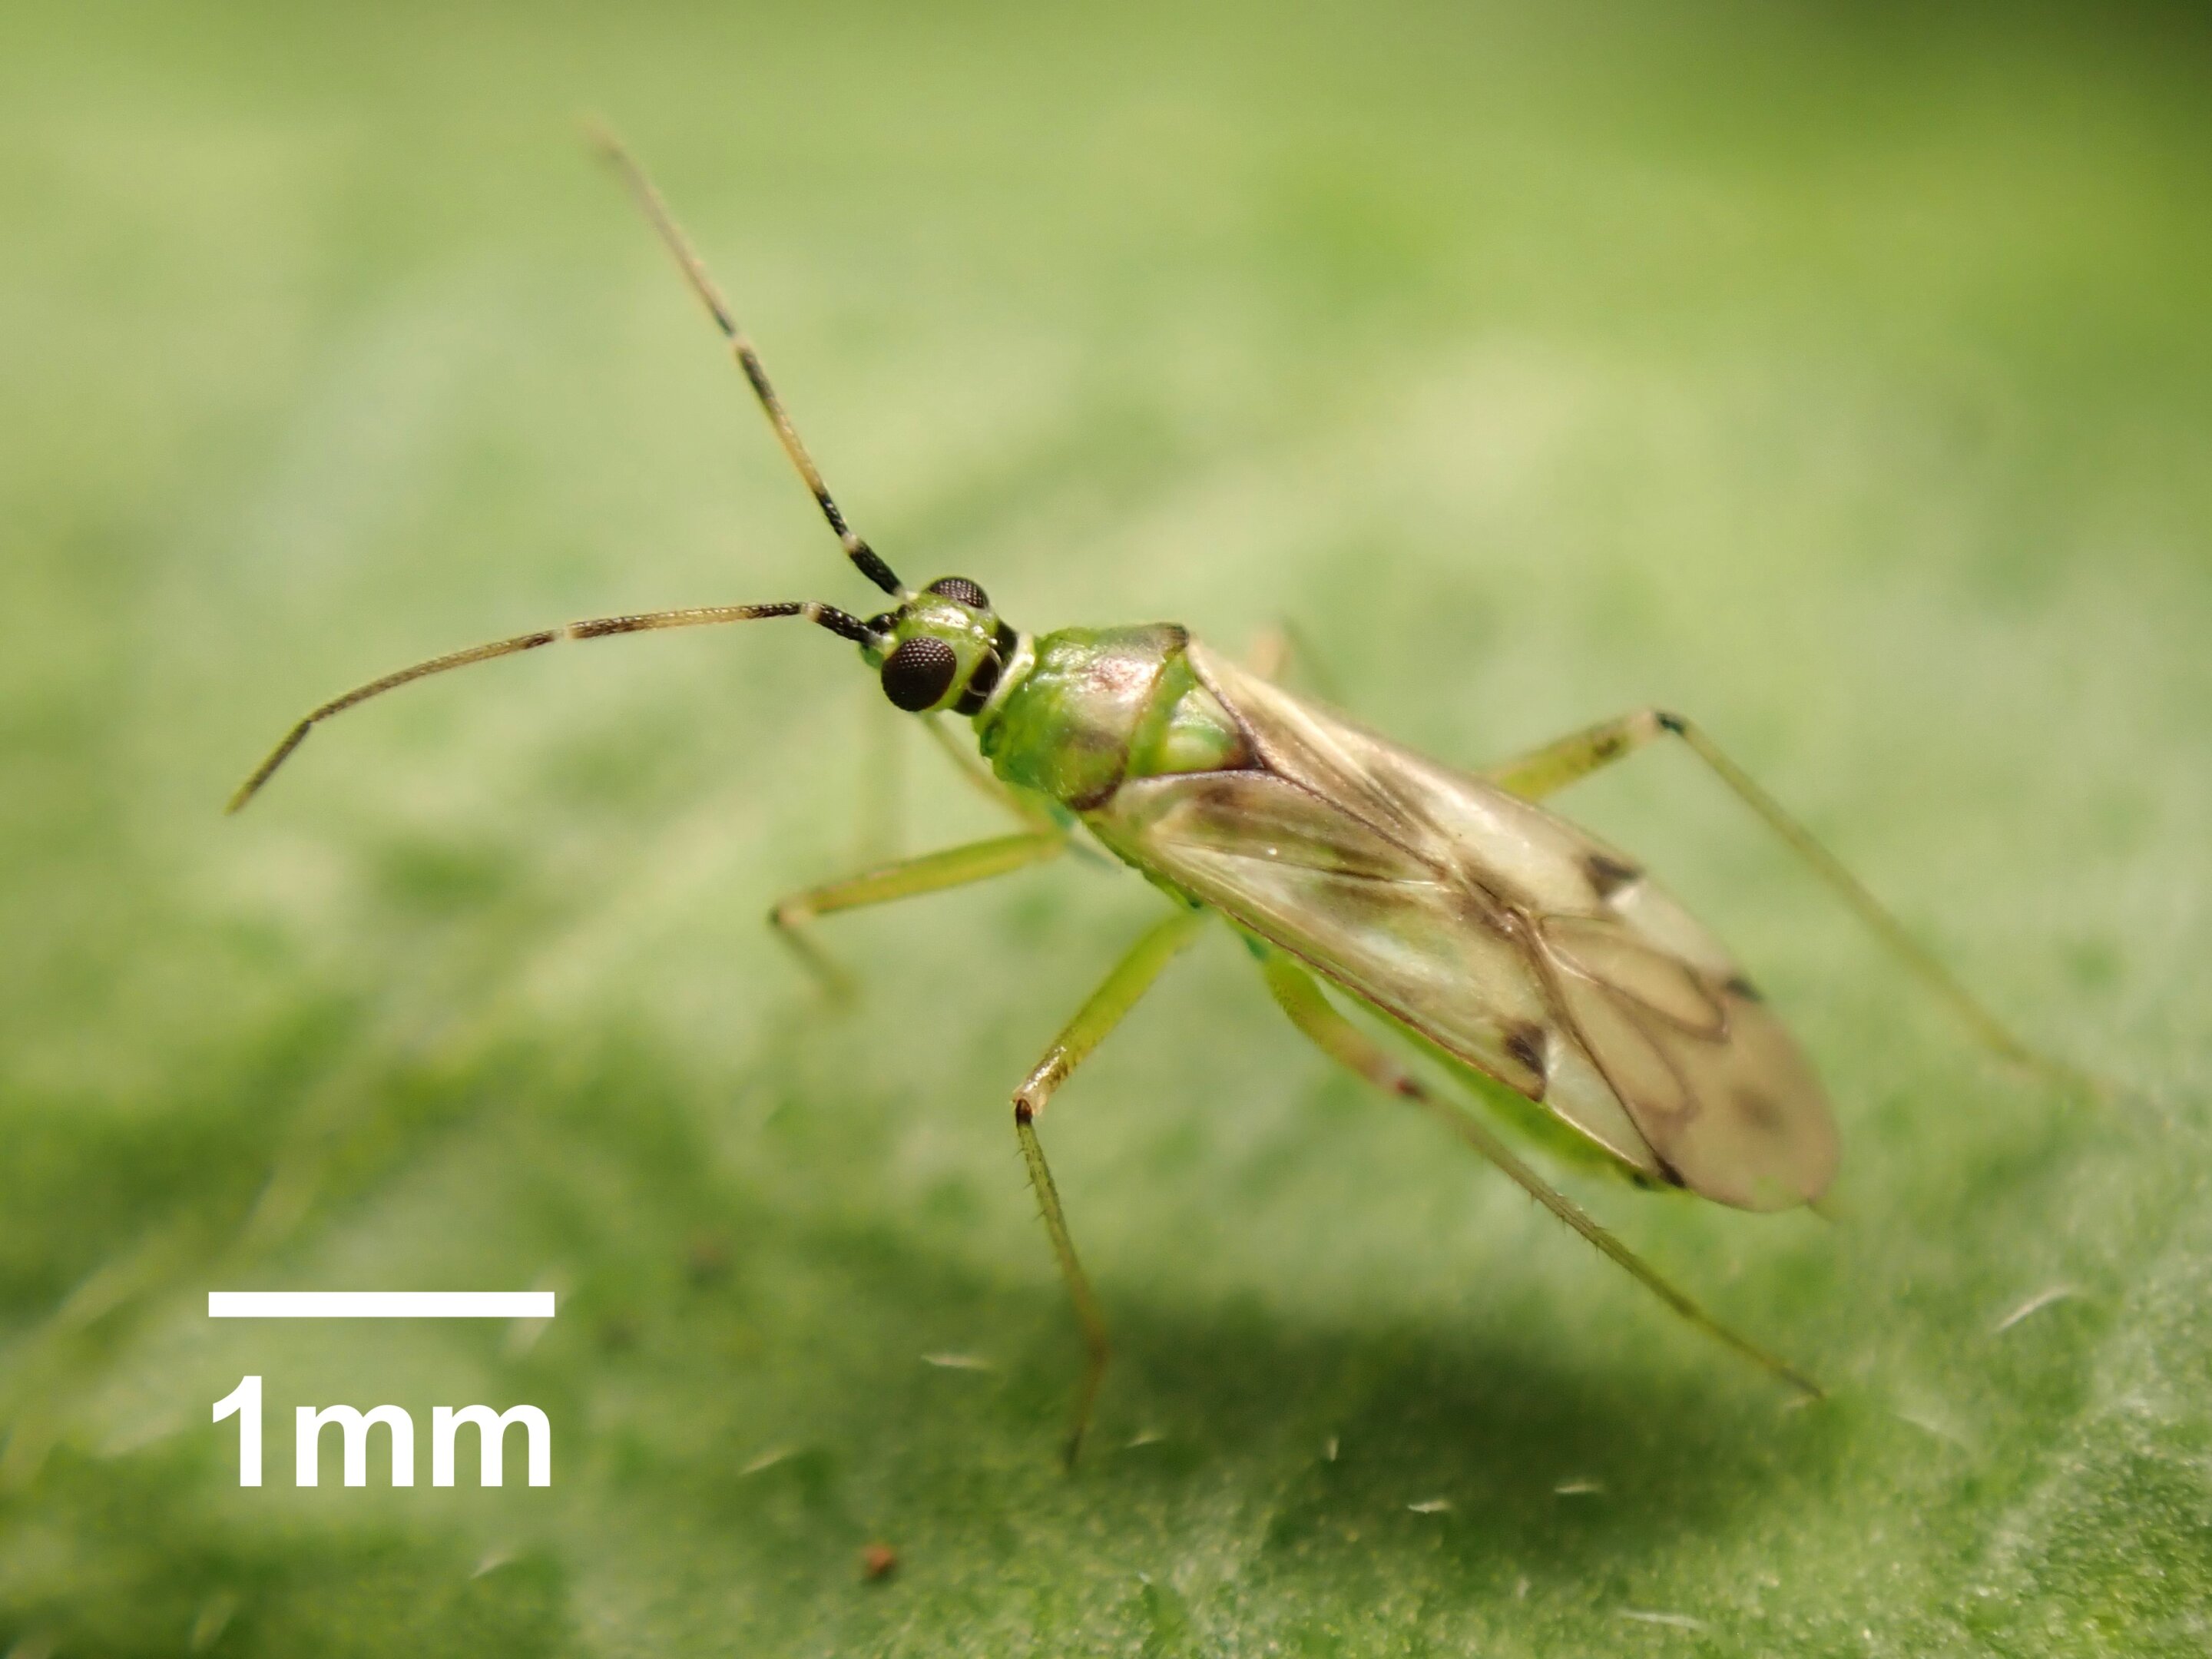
(1723, 1094)
(1307, 876)
(1503, 933)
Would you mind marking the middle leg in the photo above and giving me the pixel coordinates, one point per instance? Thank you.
(1116, 995)
(1282, 646)
(1031, 810)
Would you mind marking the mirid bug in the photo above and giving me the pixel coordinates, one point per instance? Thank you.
(1537, 966)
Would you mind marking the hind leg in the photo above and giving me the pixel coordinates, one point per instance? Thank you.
(1311, 1012)
(1555, 765)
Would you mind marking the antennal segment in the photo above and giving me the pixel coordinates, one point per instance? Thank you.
(695, 272)
(597, 628)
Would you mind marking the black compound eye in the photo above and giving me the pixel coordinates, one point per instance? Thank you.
(960, 588)
(919, 673)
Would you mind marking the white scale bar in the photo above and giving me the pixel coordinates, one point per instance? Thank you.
(379, 1305)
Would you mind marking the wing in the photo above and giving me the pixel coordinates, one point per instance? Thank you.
(1305, 875)
(1505, 934)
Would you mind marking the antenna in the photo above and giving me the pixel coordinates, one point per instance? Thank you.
(695, 272)
(597, 628)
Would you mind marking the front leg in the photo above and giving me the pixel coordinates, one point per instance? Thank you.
(1030, 809)
(932, 873)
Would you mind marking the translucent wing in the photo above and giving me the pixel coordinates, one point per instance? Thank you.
(1503, 933)
(1712, 1078)
(1302, 874)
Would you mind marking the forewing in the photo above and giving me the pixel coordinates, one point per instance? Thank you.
(1307, 876)
(1645, 1018)
(1712, 1078)
(1454, 822)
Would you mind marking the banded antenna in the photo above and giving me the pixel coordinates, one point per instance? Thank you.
(741, 346)
(837, 621)
(597, 628)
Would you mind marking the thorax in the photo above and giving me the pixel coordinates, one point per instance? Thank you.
(1093, 707)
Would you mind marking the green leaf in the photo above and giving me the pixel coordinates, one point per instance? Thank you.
(1845, 380)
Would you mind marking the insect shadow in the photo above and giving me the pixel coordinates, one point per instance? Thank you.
(1349, 1441)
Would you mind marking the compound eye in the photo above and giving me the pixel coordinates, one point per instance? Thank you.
(919, 673)
(960, 588)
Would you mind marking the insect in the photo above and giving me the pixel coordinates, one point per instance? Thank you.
(1531, 963)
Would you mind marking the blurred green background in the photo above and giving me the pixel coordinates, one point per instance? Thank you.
(1841, 375)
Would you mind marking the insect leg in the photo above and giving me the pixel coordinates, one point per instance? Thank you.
(955, 866)
(1269, 653)
(1282, 647)
(1555, 765)
(1116, 995)
(1030, 809)
(879, 817)
(1566, 760)
(1311, 1012)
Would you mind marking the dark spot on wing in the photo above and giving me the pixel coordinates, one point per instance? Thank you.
(1738, 986)
(1670, 1174)
(1758, 1111)
(1609, 875)
(1529, 1044)
(1211, 799)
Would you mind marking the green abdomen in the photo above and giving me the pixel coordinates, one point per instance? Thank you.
(1102, 705)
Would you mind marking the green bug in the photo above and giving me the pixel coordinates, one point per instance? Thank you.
(1537, 965)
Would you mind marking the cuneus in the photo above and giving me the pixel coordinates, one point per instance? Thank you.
(1578, 1004)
